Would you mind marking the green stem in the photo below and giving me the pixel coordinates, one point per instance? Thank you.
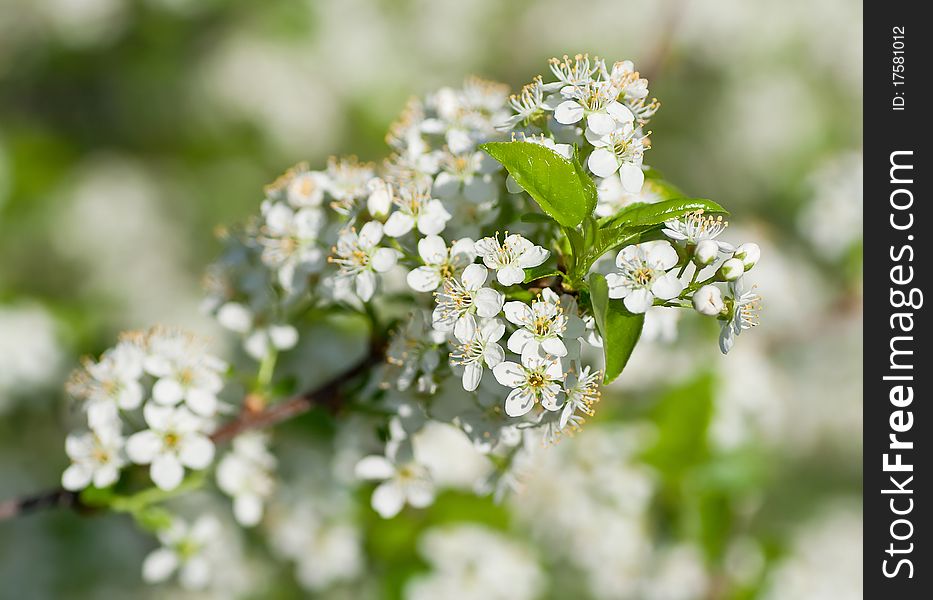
(266, 369)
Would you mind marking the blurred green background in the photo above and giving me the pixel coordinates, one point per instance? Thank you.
(129, 129)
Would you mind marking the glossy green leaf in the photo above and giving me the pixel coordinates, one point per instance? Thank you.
(619, 328)
(540, 272)
(561, 187)
(641, 215)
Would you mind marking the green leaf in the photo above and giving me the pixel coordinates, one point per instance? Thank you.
(535, 218)
(641, 215)
(561, 187)
(540, 272)
(620, 329)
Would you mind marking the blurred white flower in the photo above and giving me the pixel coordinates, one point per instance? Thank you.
(290, 243)
(415, 208)
(184, 370)
(185, 550)
(245, 474)
(408, 482)
(173, 441)
(471, 562)
(96, 457)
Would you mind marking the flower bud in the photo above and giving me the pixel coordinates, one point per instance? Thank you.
(732, 269)
(705, 253)
(708, 300)
(748, 253)
(379, 201)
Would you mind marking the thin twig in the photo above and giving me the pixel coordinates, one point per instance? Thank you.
(328, 396)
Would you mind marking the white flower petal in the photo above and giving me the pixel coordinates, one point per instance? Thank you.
(488, 302)
(143, 446)
(365, 285)
(424, 279)
(638, 301)
(510, 275)
(76, 477)
(601, 123)
(384, 259)
(247, 509)
(554, 346)
(399, 224)
(519, 339)
(370, 234)
(196, 451)
(509, 374)
(602, 162)
(159, 565)
(472, 374)
(201, 402)
(533, 257)
(667, 286)
(387, 499)
(632, 178)
(167, 391)
(518, 313)
(432, 250)
(568, 112)
(519, 402)
(166, 472)
(374, 467)
(474, 276)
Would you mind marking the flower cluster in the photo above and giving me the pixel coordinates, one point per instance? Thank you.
(163, 378)
(480, 287)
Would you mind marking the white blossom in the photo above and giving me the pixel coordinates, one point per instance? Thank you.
(290, 244)
(440, 263)
(619, 153)
(245, 474)
(461, 298)
(347, 181)
(96, 457)
(414, 355)
(416, 209)
(479, 345)
(184, 549)
(596, 103)
(510, 257)
(468, 175)
(695, 227)
(541, 325)
(536, 380)
(744, 308)
(581, 392)
(360, 258)
(174, 440)
(643, 275)
(184, 371)
(404, 483)
(111, 384)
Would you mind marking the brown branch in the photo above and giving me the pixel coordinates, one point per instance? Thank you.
(327, 396)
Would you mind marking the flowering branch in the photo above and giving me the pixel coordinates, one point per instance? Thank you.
(328, 396)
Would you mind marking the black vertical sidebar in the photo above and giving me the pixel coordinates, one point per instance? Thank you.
(897, 366)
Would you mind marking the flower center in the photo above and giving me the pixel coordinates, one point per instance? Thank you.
(643, 276)
(536, 380)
